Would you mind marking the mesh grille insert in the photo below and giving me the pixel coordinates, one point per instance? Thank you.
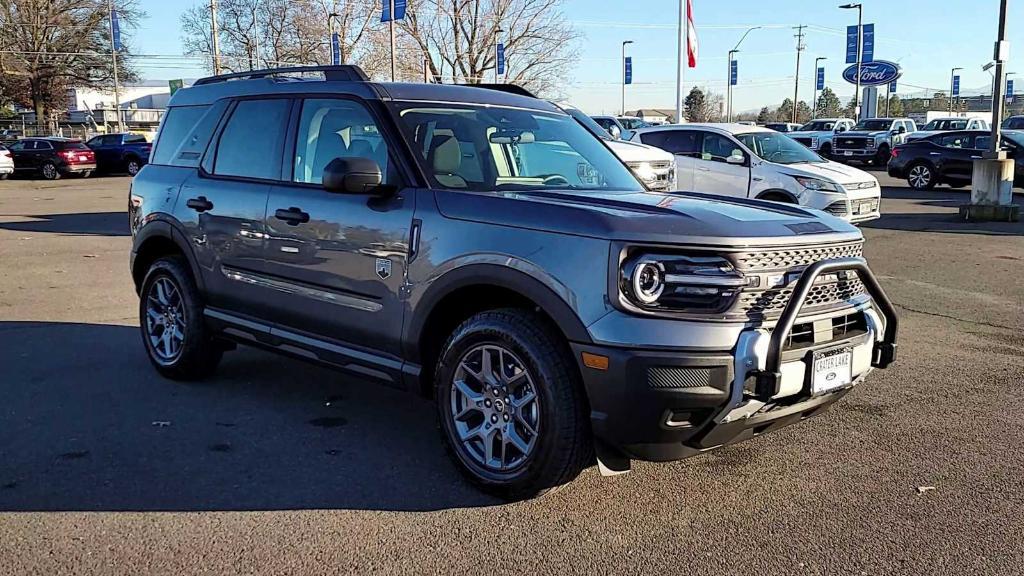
(665, 377)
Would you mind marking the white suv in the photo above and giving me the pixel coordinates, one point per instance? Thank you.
(748, 161)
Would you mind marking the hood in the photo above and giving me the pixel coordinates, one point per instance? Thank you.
(812, 133)
(637, 152)
(864, 133)
(648, 217)
(921, 134)
(832, 171)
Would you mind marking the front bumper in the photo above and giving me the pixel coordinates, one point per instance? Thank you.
(854, 154)
(664, 405)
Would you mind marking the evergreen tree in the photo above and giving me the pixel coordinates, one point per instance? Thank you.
(829, 105)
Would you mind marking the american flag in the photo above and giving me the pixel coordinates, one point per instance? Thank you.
(691, 35)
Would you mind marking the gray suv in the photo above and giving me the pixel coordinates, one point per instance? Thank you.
(486, 250)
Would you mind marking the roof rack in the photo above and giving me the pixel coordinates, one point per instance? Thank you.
(507, 88)
(346, 72)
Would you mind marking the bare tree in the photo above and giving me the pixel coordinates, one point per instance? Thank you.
(47, 46)
(458, 37)
(270, 33)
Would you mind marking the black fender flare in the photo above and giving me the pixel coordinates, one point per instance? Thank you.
(792, 198)
(165, 227)
(472, 274)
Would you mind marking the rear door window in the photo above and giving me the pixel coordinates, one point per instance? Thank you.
(253, 140)
(681, 142)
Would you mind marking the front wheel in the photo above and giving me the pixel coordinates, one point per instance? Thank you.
(511, 408)
(882, 156)
(177, 340)
(133, 167)
(825, 151)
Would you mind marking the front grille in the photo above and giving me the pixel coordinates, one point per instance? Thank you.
(837, 208)
(825, 331)
(804, 141)
(852, 143)
(665, 377)
(758, 305)
(790, 258)
(859, 186)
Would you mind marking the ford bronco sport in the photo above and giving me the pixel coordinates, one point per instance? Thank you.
(485, 249)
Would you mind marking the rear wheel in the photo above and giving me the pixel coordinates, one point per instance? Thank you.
(86, 174)
(921, 177)
(511, 409)
(177, 340)
(133, 166)
(4, 176)
(49, 171)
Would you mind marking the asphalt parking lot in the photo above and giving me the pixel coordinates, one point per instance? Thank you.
(280, 467)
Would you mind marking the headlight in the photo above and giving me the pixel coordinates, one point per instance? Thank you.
(870, 143)
(644, 171)
(817, 185)
(679, 282)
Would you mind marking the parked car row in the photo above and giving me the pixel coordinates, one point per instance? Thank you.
(53, 157)
(948, 158)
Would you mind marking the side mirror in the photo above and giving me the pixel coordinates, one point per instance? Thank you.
(352, 176)
(615, 132)
(901, 130)
(841, 129)
(736, 158)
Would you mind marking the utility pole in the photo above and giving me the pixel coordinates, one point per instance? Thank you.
(624, 43)
(680, 62)
(796, 81)
(215, 37)
(113, 58)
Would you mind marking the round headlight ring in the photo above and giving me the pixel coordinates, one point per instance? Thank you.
(648, 281)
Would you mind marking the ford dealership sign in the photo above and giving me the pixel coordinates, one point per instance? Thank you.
(877, 73)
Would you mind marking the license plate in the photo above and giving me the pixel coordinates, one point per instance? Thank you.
(83, 158)
(847, 153)
(831, 369)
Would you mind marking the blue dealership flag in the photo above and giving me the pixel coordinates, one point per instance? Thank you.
(628, 74)
(734, 73)
(868, 55)
(1009, 88)
(115, 30)
(820, 85)
(956, 85)
(892, 86)
(501, 58)
(335, 49)
(399, 14)
(851, 44)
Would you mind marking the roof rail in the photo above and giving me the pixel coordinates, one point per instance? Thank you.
(507, 88)
(349, 72)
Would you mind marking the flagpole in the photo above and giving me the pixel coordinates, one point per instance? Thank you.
(681, 53)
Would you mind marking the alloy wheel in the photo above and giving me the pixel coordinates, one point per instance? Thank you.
(133, 168)
(165, 320)
(920, 176)
(495, 408)
(49, 171)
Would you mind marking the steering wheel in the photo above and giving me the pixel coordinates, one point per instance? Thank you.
(555, 180)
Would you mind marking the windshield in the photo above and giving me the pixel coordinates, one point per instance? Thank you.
(818, 126)
(633, 123)
(778, 148)
(470, 147)
(873, 125)
(956, 124)
(587, 122)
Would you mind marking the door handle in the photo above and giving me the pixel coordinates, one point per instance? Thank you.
(200, 204)
(293, 216)
(975, 157)
(703, 168)
(935, 153)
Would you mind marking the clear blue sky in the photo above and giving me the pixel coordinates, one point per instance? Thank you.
(927, 37)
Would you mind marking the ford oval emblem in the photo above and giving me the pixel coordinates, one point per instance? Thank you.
(876, 73)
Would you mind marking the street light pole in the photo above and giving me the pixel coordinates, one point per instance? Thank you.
(952, 82)
(113, 58)
(624, 75)
(860, 53)
(1002, 50)
(814, 105)
(728, 74)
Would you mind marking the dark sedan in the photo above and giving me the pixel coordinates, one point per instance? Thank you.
(52, 158)
(948, 158)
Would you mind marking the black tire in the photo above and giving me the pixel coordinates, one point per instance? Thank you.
(825, 151)
(85, 174)
(921, 176)
(49, 171)
(4, 176)
(563, 445)
(956, 184)
(199, 353)
(882, 156)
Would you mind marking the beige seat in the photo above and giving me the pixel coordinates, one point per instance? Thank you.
(445, 157)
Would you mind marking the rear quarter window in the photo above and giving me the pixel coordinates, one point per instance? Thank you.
(178, 131)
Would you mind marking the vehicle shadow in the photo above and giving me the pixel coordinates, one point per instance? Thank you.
(90, 426)
(86, 223)
(946, 221)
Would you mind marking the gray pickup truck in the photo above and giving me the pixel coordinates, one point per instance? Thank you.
(486, 250)
(871, 141)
